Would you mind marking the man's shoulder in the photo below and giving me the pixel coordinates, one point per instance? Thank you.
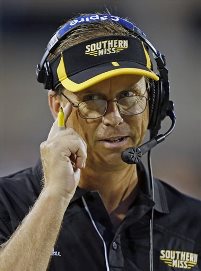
(21, 183)
(18, 192)
(179, 201)
(15, 176)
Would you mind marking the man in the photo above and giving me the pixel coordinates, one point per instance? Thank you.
(82, 207)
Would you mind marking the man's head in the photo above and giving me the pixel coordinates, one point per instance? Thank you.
(101, 57)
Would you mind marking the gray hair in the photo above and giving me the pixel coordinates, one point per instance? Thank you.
(88, 31)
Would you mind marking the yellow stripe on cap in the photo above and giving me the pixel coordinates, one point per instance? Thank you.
(74, 87)
(147, 57)
(61, 71)
(115, 64)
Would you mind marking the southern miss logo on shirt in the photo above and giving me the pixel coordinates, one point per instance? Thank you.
(179, 259)
(106, 47)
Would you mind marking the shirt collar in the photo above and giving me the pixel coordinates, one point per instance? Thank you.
(160, 198)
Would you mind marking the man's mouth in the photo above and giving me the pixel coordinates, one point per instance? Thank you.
(117, 142)
(115, 139)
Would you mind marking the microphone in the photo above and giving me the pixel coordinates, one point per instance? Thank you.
(133, 155)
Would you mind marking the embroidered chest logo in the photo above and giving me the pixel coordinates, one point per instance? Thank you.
(56, 253)
(106, 47)
(179, 259)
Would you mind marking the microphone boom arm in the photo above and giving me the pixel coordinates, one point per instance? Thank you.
(133, 155)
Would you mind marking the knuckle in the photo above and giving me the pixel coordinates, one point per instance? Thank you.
(70, 131)
(46, 147)
(85, 155)
(42, 144)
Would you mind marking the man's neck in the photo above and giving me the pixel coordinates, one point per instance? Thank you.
(115, 187)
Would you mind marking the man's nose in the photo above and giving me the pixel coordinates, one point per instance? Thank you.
(112, 116)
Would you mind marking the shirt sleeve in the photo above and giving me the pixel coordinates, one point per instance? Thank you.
(5, 225)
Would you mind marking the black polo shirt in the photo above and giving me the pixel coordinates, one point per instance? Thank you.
(88, 241)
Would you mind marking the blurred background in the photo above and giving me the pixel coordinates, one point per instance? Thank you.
(173, 26)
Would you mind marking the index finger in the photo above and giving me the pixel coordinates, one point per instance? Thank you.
(67, 111)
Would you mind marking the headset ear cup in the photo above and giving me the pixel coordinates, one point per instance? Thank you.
(44, 75)
(152, 98)
(47, 76)
(154, 104)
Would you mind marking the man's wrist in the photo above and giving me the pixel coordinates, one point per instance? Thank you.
(56, 195)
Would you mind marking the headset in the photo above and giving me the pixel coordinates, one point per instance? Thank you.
(159, 105)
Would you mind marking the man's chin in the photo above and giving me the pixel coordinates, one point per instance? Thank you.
(109, 161)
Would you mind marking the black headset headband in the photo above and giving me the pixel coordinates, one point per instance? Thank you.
(160, 92)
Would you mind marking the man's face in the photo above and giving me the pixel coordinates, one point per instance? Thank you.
(108, 136)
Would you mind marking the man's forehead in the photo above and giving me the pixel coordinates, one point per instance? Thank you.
(137, 84)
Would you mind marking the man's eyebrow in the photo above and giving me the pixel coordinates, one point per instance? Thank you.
(133, 87)
(78, 97)
(139, 89)
(73, 97)
(88, 92)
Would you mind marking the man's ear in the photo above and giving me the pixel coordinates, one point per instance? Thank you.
(54, 101)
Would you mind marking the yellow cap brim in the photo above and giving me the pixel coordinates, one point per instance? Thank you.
(75, 87)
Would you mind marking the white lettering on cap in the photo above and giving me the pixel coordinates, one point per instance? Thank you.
(114, 18)
(103, 18)
(73, 22)
(94, 18)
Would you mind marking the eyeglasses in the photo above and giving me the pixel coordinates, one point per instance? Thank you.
(95, 106)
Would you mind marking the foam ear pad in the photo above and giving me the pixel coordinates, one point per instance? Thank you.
(154, 106)
(46, 75)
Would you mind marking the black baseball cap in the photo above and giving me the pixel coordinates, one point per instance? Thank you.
(95, 60)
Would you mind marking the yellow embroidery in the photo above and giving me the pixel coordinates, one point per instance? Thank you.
(116, 64)
(106, 47)
(179, 259)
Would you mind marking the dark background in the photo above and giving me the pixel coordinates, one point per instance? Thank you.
(173, 26)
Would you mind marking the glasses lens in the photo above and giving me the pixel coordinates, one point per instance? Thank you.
(132, 105)
(93, 109)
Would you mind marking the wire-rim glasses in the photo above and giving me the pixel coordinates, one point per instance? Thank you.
(97, 106)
